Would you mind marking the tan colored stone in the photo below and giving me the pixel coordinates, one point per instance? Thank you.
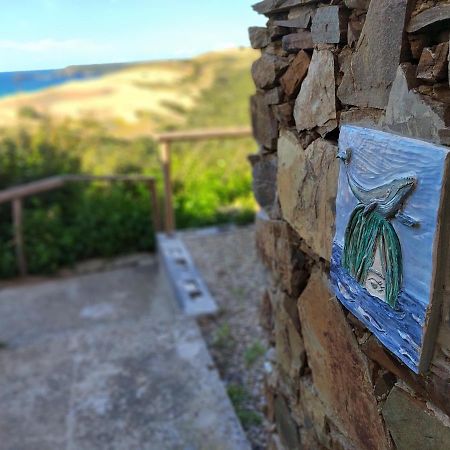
(316, 103)
(278, 247)
(307, 185)
(290, 351)
(368, 117)
(295, 74)
(413, 425)
(339, 369)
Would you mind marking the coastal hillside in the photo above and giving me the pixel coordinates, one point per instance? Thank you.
(135, 100)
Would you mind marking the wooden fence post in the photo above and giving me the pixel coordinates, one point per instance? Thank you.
(17, 212)
(154, 205)
(169, 222)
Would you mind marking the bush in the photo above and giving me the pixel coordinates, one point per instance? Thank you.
(83, 221)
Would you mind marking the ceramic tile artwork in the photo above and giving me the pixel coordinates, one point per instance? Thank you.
(390, 219)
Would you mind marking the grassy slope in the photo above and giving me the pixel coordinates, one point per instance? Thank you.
(147, 97)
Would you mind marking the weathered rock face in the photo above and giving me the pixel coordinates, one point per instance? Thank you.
(413, 425)
(342, 379)
(302, 40)
(279, 248)
(307, 185)
(329, 25)
(316, 103)
(372, 70)
(414, 114)
(259, 37)
(264, 168)
(295, 74)
(265, 127)
(328, 379)
(267, 70)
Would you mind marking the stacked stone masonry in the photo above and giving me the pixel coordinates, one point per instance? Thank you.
(382, 64)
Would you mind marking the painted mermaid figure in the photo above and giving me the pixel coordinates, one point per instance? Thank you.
(372, 251)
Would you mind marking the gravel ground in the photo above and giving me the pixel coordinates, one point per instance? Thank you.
(228, 262)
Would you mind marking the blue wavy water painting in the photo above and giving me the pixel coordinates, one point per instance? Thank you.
(399, 329)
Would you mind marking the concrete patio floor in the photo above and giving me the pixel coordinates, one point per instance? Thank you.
(107, 361)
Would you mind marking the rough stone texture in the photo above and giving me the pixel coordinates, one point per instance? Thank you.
(429, 17)
(283, 114)
(289, 348)
(366, 117)
(342, 378)
(302, 40)
(354, 29)
(259, 37)
(274, 96)
(378, 53)
(287, 429)
(414, 114)
(265, 127)
(433, 64)
(269, 7)
(279, 248)
(329, 25)
(267, 70)
(357, 4)
(316, 103)
(417, 43)
(106, 361)
(307, 185)
(264, 169)
(295, 74)
(413, 425)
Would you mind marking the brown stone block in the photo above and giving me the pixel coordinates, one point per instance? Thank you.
(302, 40)
(278, 247)
(265, 127)
(329, 25)
(339, 369)
(259, 37)
(286, 427)
(307, 185)
(414, 424)
(430, 387)
(264, 170)
(295, 74)
(267, 70)
(284, 114)
(433, 64)
(373, 67)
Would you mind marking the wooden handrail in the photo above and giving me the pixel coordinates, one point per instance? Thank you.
(202, 135)
(16, 195)
(166, 139)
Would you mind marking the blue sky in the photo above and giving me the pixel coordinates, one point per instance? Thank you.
(47, 34)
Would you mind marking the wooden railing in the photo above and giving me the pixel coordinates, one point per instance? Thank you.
(166, 139)
(18, 193)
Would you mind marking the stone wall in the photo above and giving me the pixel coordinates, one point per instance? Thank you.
(379, 63)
